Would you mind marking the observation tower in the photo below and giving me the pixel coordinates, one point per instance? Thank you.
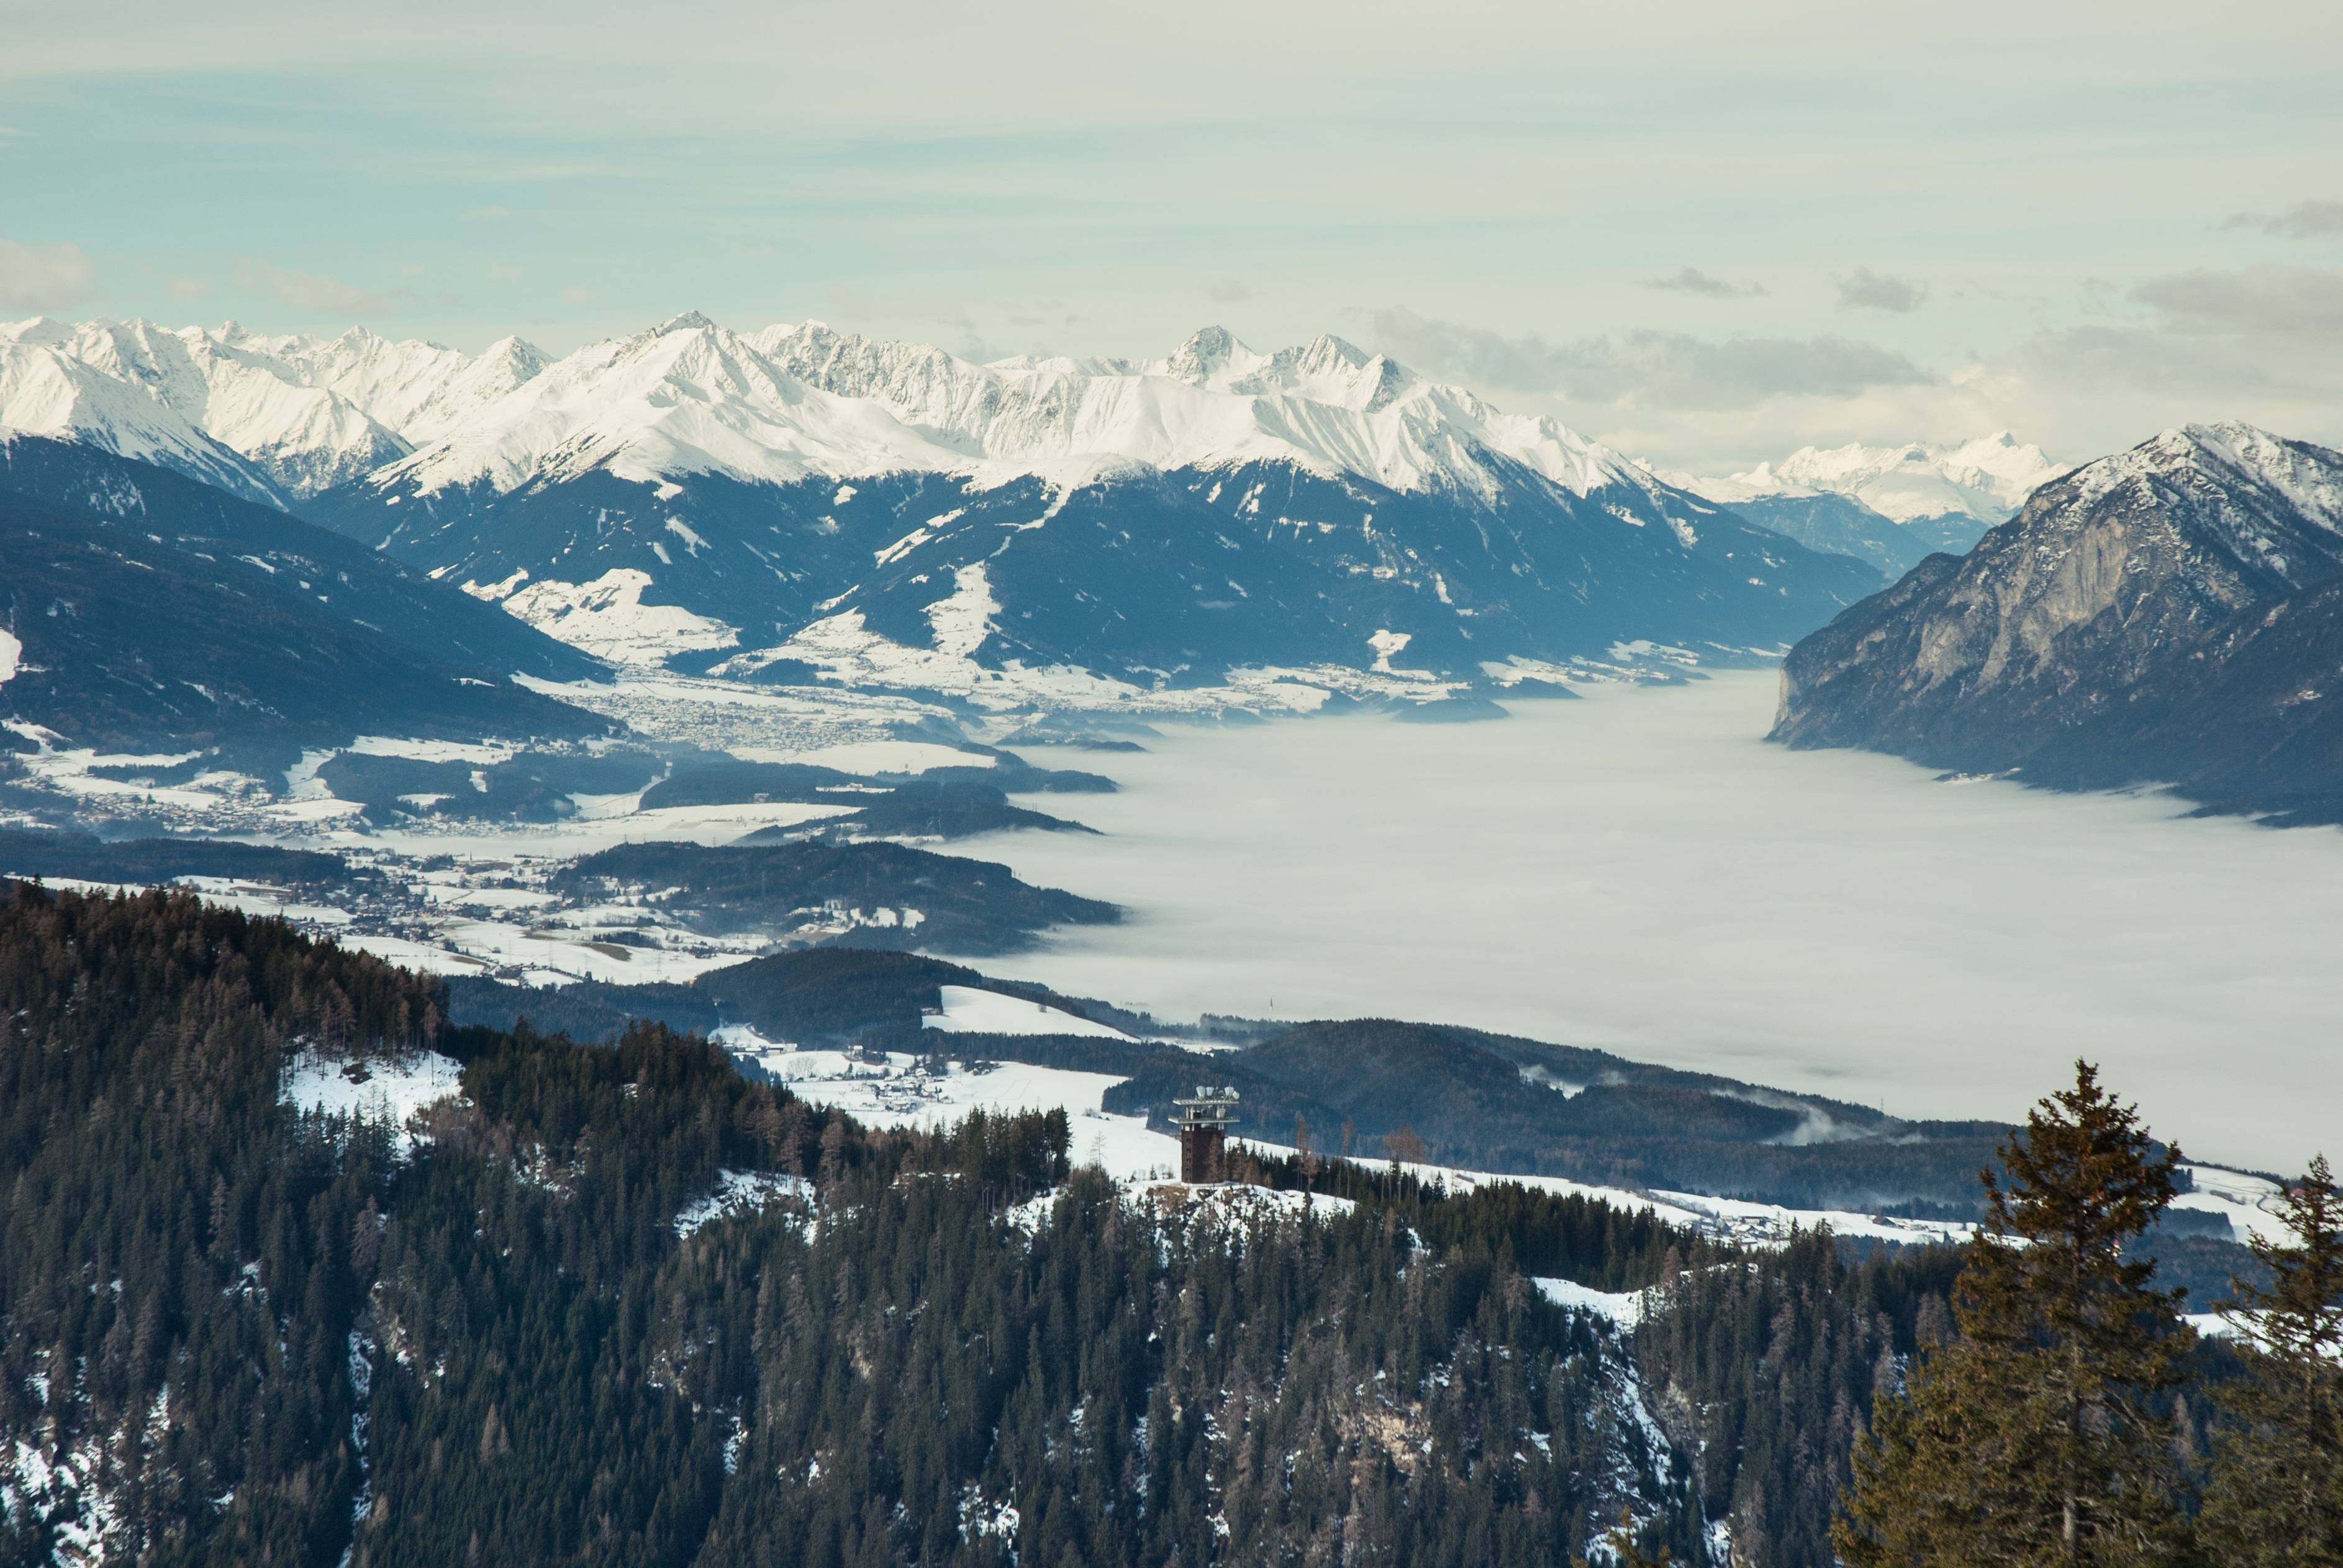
(1204, 1122)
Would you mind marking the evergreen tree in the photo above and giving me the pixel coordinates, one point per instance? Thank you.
(2034, 1437)
(2277, 1495)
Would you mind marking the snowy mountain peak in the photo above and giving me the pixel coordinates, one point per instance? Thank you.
(1213, 357)
(689, 321)
(2249, 469)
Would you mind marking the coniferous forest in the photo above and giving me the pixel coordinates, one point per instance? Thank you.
(233, 1332)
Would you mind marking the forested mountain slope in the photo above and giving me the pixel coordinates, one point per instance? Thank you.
(236, 1332)
(144, 612)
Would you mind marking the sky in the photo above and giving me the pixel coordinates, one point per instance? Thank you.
(1679, 891)
(1707, 233)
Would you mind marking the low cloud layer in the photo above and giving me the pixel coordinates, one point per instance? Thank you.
(1677, 890)
(45, 277)
(1670, 370)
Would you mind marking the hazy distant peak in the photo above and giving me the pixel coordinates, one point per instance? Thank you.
(1986, 478)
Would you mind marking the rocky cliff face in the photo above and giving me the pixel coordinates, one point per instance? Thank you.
(2082, 640)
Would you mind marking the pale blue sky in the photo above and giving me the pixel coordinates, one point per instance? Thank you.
(1880, 222)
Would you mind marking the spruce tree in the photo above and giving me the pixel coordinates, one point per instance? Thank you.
(2277, 1493)
(2032, 1439)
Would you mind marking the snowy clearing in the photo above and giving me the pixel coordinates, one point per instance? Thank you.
(1622, 1308)
(738, 1193)
(380, 1089)
(968, 1010)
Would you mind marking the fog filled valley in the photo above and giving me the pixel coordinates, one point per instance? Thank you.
(1639, 871)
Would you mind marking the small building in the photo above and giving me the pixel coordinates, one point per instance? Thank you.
(1204, 1124)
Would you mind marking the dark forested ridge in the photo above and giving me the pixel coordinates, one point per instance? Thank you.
(233, 1332)
(44, 852)
(948, 903)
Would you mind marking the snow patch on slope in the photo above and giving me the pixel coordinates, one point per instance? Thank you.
(607, 618)
(380, 1089)
(1623, 1309)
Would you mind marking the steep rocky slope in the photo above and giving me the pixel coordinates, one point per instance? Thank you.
(2144, 617)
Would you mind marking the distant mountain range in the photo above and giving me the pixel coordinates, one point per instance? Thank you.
(1891, 506)
(2172, 614)
(802, 503)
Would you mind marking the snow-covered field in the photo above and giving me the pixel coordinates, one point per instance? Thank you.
(2248, 1203)
(966, 1011)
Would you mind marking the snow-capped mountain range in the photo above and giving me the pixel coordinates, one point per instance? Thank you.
(278, 416)
(692, 490)
(689, 397)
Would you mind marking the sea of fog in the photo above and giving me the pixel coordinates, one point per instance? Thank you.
(1638, 871)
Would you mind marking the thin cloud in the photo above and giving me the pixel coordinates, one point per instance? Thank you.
(45, 277)
(305, 291)
(2277, 302)
(1864, 289)
(577, 294)
(906, 306)
(189, 287)
(1692, 280)
(1226, 291)
(1649, 370)
(486, 215)
(2304, 220)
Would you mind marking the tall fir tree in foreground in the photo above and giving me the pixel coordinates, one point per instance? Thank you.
(2032, 1437)
(2277, 1493)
